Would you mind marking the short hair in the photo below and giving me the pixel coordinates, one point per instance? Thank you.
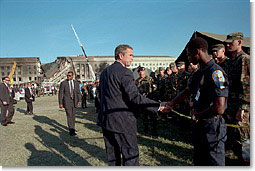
(4, 78)
(198, 43)
(70, 72)
(121, 49)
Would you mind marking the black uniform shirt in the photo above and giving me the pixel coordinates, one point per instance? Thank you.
(209, 82)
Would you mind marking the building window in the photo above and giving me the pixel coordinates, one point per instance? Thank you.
(35, 78)
(30, 78)
(8, 73)
(135, 64)
(3, 74)
(19, 73)
(30, 72)
(14, 79)
(35, 72)
(19, 78)
(8, 68)
(29, 67)
(150, 64)
(2, 67)
(35, 67)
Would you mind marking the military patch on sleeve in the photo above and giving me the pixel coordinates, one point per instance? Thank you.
(219, 79)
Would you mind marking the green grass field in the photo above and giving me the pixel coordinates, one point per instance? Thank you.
(42, 139)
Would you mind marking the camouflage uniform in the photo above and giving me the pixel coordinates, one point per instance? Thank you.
(239, 97)
(171, 87)
(225, 64)
(145, 87)
(160, 82)
(182, 80)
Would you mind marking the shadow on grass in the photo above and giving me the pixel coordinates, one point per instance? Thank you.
(54, 143)
(44, 158)
(180, 152)
(21, 110)
(59, 143)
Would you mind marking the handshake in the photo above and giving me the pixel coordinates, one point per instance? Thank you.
(166, 107)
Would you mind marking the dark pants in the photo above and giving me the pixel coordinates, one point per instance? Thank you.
(4, 109)
(121, 146)
(30, 107)
(150, 118)
(70, 114)
(84, 101)
(209, 136)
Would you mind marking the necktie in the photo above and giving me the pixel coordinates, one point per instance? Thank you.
(71, 89)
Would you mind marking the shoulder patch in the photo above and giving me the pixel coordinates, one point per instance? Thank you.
(219, 79)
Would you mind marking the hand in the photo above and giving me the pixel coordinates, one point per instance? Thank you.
(239, 115)
(193, 114)
(60, 106)
(31, 98)
(4, 103)
(79, 104)
(164, 108)
(191, 104)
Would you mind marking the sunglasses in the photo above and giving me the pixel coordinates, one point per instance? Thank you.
(69, 75)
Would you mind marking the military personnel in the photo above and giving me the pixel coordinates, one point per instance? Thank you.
(168, 71)
(182, 80)
(171, 83)
(238, 111)
(145, 86)
(160, 82)
(219, 56)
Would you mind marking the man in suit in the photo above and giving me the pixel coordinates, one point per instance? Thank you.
(6, 102)
(119, 98)
(29, 98)
(69, 97)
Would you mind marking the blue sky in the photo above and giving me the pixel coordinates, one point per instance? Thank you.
(37, 28)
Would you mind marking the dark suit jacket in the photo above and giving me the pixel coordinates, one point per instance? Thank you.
(4, 94)
(28, 95)
(119, 99)
(64, 96)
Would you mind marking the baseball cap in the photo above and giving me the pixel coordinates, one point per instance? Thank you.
(234, 36)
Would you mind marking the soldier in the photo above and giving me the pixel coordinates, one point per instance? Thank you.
(182, 80)
(219, 56)
(160, 82)
(171, 83)
(145, 86)
(238, 111)
(168, 71)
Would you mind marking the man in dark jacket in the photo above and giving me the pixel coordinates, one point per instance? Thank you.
(6, 102)
(69, 97)
(119, 99)
(29, 97)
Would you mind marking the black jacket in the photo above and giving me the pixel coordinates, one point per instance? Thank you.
(28, 95)
(4, 94)
(64, 96)
(119, 99)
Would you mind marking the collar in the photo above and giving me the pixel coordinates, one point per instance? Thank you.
(208, 65)
(6, 85)
(240, 53)
(121, 63)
